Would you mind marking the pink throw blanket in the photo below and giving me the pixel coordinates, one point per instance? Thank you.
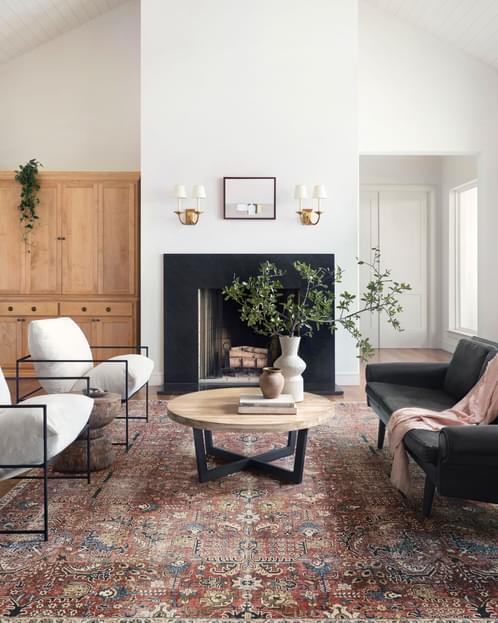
(479, 406)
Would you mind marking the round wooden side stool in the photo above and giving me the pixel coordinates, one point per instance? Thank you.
(102, 454)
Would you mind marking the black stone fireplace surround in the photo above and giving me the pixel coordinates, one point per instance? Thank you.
(186, 274)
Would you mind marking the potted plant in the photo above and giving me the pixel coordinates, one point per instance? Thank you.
(268, 311)
(27, 176)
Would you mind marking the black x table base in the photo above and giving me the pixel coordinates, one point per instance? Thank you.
(296, 445)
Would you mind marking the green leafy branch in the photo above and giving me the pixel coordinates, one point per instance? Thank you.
(266, 308)
(27, 176)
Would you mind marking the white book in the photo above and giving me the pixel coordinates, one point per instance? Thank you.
(258, 400)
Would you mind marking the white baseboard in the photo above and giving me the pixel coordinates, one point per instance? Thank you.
(347, 379)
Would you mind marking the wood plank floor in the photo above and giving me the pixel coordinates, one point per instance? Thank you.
(352, 393)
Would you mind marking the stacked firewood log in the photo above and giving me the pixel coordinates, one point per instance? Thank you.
(248, 357)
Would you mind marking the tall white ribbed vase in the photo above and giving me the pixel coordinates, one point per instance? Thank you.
(292, 367)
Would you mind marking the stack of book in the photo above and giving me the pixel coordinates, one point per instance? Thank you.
(256, 403)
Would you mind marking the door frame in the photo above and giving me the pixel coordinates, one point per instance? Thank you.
(433, 257)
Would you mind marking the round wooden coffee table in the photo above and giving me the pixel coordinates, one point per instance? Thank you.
(216, 410)
(73, 459)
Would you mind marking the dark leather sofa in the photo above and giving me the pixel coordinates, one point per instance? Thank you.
(460, 461)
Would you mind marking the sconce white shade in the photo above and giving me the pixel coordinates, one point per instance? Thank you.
(319, 192)
(180, 191)
(198, 192)
(300, 192)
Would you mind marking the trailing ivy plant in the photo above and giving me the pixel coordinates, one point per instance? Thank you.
(268, 311)
(27, 176)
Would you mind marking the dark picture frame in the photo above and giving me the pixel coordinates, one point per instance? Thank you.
(243, 203)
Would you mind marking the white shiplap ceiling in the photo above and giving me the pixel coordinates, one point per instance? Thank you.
(470, 25)
(26, 24)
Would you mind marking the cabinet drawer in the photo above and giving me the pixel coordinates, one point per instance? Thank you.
(29, 308)
(96, 308)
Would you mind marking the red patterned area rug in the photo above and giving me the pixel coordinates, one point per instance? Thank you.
(146, 540)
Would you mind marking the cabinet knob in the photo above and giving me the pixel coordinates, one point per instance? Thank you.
(108, 309)
(10, 308)
(83, 309)
(33, 308)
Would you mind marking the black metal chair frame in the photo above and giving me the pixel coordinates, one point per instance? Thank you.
(44, 465)
(125, 401)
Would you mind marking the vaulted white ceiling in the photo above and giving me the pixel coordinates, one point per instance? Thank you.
(25, 24)
(471, 25)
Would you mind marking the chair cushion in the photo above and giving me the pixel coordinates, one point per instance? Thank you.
(110, 375)
(21, 430)
(392, 397)
(4, 390)
(465, 367)
(59, 338)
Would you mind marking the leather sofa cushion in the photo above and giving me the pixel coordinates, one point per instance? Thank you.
(424, 444)
(392, 397)
(465, 367)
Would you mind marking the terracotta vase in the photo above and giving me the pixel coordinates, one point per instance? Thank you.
(292, 367)
(271, 382)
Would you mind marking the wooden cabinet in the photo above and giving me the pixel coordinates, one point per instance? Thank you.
(118, 242)
(11, 341)
(14, 339)
(43, 271)
(12, 246)
(107, 331)
(99, 238)
(82, 255)
(114, 331)
(80, 238)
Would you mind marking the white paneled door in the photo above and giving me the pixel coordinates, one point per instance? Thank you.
(396, 222)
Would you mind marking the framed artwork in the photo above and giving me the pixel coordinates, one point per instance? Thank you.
(249, 198)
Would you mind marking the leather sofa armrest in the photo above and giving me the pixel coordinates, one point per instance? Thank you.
(469, 445)
(429, 375)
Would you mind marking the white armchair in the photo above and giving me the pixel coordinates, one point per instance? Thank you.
(34, 431)
(59, 348)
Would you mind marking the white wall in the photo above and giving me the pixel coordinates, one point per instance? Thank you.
(424, 170)
(418, 95)
(74, 103)
(247, 88)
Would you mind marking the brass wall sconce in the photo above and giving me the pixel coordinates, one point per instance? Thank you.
(189, 216)
(309, 216)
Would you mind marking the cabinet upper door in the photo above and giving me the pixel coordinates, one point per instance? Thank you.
(118, 242)
(80, 238)
(43, 272)
(12, 246)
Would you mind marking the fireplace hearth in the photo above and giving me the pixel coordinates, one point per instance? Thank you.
(206, 345)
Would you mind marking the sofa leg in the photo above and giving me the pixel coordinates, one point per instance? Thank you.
(381, 435)
(429, 490)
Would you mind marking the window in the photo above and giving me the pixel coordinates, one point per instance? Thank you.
(463, 258)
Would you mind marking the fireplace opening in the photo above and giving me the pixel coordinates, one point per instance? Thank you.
(229, 351)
